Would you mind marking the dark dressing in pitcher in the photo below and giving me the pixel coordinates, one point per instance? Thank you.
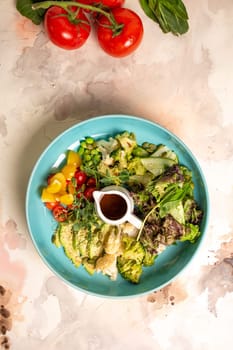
(113, 206)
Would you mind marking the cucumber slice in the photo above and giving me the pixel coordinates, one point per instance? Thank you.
(157, 165)
(164, 152)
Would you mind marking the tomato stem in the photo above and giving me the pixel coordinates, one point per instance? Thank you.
(66, 5)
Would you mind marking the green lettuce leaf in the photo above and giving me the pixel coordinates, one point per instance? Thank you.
(192, 232)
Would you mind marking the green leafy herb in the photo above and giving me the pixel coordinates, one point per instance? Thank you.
(192, 232)
(25, 9)
(171, 203)
(107, 179)
(84, 216)
(171, 15)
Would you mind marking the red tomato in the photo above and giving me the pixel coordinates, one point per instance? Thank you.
(129, 38)
(63, 32)
(80, 177)
(107, 3)
(60, 213)
(88, 193)
(51, 205)
(91, 182)
(112, 3)
(86, 2)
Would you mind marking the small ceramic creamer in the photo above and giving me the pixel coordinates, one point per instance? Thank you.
(114, 205)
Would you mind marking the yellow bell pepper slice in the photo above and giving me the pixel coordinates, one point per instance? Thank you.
(67, 199)
(68, 171)
(54, 186)
(73, 158)
(47, 197)
(58, 177)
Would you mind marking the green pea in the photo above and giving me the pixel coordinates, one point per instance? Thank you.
(89, 140)
(94, 151)
(87, 157)
(81, 151)
(96, 159)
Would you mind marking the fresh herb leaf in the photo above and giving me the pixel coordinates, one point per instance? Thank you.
(175, 193)
(25, 9)
(171, 15)
(192, 232)
(147, 9)
(170, 203)
(84, 216)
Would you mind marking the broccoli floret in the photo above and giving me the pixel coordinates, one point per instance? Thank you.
(120, 157)
(140, 152)
(127, 141)
(149, 258)
(132, 249)
(129, 269)
(136, 167)
(130, 261)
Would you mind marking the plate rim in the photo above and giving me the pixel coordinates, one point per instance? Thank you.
(128, 117)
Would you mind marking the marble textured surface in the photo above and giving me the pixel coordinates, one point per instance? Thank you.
(185, 84)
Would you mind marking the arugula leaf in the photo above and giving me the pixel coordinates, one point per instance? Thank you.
(25, 9)
(171, 15)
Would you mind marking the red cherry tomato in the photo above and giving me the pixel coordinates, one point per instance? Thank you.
(63, 32)
(51, 205)
(60, 213)
(91, 182)
(107, 3)
(128, 40)
(80, 177)
(88, 193)
(86, 2)
(112, 3)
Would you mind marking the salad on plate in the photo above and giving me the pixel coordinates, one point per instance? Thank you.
(161, 188)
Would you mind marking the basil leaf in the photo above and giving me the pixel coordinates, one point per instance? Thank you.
(171, 15)
(25, 9)
(173, 193)
(147, 8)
(175, 23)
(176, 6)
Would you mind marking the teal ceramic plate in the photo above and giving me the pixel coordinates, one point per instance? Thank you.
(41, 224)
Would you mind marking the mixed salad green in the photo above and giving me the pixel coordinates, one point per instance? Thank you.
(163, 194)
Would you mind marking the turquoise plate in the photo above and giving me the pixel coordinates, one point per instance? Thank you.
(41, 224)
